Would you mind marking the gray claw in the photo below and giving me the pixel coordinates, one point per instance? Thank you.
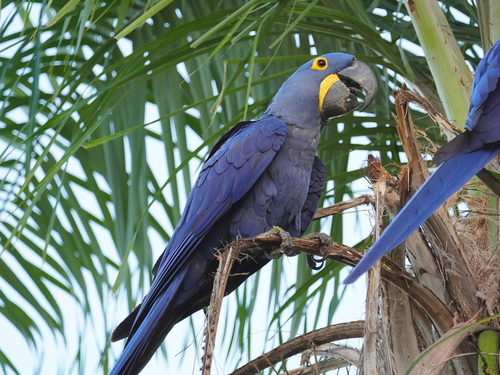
(326, 241)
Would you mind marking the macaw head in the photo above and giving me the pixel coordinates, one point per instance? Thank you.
(324, 87)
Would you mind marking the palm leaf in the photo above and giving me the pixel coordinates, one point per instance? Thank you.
(76, 221)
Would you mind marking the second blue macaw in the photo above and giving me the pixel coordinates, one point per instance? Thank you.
(461, 159)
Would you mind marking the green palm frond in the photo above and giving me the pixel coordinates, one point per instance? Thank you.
(100, 140)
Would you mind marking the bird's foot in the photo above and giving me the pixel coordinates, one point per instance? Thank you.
(326, 241)
(286, 246)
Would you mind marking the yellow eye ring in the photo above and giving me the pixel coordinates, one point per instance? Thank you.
(320, 63)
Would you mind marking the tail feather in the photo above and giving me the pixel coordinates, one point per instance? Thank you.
(143, 343)
(445, 181)
(123, 329)
(462, 144)
(151, 324)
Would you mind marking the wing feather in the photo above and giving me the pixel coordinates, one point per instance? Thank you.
(316, 187)
(225, 177)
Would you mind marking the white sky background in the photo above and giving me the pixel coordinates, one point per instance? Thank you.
(356, 227)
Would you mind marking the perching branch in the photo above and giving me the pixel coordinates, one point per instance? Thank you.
(226, 259)
(390, 272)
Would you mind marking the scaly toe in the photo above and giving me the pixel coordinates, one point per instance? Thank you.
(326, 241)
(286, 246)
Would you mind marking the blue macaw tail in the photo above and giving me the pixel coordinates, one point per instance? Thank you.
(143, 343)
(446, 180)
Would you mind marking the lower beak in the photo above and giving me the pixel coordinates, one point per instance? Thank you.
(342, 94)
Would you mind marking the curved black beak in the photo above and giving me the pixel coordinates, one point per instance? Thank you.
(342, 95)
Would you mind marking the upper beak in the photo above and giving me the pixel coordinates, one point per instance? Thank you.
(342, 94)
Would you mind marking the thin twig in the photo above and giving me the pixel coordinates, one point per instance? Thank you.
(226, 260)
(342, 206)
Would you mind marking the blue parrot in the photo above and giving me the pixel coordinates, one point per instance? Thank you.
(260, 174)
(461, 159)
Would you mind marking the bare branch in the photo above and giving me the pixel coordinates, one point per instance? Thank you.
(434, 307)
(342, 206)
(409, 96)
(400, 311)
(226, 260)
(301, 343)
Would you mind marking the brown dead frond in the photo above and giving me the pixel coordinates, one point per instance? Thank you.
(454, 254)
(475, 227)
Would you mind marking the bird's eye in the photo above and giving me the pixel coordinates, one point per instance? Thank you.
(320, 63)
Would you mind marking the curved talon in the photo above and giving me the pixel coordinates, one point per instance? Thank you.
(326, 241)
(315, 264)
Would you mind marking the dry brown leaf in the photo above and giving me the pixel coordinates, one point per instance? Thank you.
(433, 362)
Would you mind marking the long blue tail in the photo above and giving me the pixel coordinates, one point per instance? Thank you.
(141, 346)
(446, 180)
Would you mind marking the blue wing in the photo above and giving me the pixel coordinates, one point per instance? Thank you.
(461, 159)
(316, 187)
(482, 121)
(223, 180)
(234, 165)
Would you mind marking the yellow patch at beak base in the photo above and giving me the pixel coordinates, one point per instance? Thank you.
(325, 86)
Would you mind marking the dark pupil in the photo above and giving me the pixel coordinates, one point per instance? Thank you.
(321, 63)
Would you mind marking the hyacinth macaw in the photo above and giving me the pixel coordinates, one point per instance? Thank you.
(461, 159)
(260, 174)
